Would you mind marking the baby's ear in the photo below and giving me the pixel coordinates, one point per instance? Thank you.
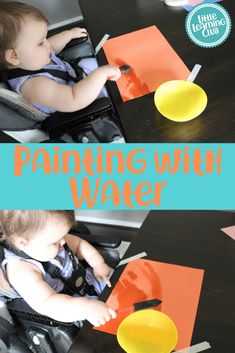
(20, 243)
(12, 57)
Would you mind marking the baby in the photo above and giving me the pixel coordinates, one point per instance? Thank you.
(41, 264)
(24, 44)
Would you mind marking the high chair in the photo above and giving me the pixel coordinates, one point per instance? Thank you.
(22, 330)
(96, 123)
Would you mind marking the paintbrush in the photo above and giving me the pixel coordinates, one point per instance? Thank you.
(146, 304)
(125, 69)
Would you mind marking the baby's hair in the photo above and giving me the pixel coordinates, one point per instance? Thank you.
(12, 15)
(26, 222)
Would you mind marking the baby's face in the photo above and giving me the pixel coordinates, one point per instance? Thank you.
(45, 244)
(32, 47)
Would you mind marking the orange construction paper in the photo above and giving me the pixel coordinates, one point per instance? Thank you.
(151, 57)
(178, 287)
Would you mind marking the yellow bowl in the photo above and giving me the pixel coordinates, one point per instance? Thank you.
(147, 331)
(180, 100)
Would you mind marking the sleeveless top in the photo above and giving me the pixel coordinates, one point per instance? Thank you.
(65, 266)
(57, 64)
(87, 64)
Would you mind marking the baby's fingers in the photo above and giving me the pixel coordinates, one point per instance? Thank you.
(112, 312)
(83, 34)
(107, 317)
(79, 32)
(95, 323)
(102, 321)
(116, 74)
(107, 281)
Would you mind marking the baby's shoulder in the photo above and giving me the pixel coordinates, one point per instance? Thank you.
(37, 88)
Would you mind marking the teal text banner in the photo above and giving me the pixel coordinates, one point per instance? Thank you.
(117, 176)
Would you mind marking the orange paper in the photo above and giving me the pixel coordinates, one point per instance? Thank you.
(151, 57)
(178, 287)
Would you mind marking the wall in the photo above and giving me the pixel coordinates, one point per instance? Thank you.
(59, 12)
(121, 218)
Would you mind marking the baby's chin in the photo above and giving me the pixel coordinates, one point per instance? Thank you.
(40, 66)
(46, 62)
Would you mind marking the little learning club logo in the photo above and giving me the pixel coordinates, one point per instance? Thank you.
(208, 25)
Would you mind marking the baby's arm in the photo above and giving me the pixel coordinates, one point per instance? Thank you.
(47, 92)
(59, 40)
(84, 250)
(42, 298)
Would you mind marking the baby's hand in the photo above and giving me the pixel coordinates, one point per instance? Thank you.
(102, 272)
(113, 72)
(77, 32)
(98, 313)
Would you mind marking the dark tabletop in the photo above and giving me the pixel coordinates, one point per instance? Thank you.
(4, 138)
(140, 119)
(193, 239)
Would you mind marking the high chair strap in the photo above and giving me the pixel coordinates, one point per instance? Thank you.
(77, 282)
(6, 75)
